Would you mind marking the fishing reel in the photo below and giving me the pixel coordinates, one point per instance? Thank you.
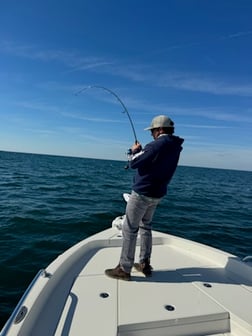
(129, 153)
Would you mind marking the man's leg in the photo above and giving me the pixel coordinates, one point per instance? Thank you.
(145, 230)
(146, 233)
(135, 211)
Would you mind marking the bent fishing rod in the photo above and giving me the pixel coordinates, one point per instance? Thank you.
(117, 97)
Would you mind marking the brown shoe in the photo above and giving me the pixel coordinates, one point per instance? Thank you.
(144, 268)
(117, 273)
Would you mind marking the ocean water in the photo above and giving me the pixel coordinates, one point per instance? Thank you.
(49, 203)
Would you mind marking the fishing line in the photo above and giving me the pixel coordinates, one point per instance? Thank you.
(120, 101)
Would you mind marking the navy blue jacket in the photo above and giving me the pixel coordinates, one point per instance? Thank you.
(155, 165)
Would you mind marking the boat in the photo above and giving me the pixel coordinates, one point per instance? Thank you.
(194, 290)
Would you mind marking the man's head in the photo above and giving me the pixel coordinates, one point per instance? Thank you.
(161, 125)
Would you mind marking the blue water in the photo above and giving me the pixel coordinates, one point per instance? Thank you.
(48, 203)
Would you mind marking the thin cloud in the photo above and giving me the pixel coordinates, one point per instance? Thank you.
(204, 126)
(70, 59)
(219, 115)
(185, 81)
(216, 114)
(73, 115)
(187, 45)
(238, 34)
(137, 73)
(197, 83)
(40, 106)
(44, 132)
(91, 119)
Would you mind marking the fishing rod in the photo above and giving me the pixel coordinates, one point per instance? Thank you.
(117, 97)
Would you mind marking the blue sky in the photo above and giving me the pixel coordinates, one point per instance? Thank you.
(188, 59)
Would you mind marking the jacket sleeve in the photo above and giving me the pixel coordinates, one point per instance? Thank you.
(143, 157)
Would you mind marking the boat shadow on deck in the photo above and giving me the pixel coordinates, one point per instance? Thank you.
(223, 275)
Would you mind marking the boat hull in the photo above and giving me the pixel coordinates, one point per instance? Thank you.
(194, 290)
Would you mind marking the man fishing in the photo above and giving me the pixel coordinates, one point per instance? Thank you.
(155, 165)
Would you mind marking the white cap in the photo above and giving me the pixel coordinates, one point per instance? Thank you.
(160, 121)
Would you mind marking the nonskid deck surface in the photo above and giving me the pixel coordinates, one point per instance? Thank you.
(187, 295)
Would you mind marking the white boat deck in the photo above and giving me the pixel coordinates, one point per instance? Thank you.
(188, 294)
(195, 290)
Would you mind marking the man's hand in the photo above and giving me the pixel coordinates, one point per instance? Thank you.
(136, 147)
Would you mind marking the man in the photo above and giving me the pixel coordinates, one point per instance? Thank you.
(155, 165)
